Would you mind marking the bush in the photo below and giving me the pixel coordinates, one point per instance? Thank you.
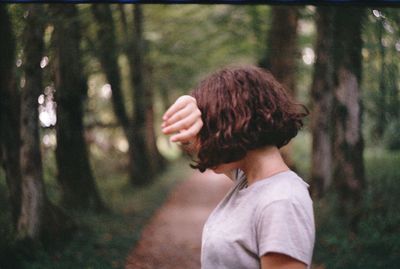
(376, 243)
(102, 240)
(391, 136)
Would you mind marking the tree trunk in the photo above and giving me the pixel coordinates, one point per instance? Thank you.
(158, 162)
(107, 52)
(322, 98)
(79, 190)
(9, 115)
(348, 141)
(39, 219)
(146, 160)
(382, 108)
(282, 54)
(140, 172)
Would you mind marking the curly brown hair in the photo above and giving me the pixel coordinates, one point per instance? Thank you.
(243, 108)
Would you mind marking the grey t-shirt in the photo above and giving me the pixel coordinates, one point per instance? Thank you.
(271, 215)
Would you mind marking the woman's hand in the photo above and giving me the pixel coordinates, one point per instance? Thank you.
(184, 119)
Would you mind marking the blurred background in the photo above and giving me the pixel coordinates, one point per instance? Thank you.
(83, 88)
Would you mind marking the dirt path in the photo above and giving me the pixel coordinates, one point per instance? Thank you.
(172, 239)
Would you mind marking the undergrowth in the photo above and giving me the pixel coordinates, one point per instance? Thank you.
(376, 241)
(101, 240)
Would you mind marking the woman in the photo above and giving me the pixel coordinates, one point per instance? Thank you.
(234, 123)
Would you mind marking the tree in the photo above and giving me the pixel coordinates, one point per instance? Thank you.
(382, 120)
(141, 171)
(107, 52)
(282, 52)
(322, 99)
(348, 170)
(381, 100)
(39, 219)
(157, 161)
(79, 190)
(108, 55)
(145, 158)
(9, 115)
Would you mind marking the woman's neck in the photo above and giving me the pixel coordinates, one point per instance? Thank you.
(262, 163)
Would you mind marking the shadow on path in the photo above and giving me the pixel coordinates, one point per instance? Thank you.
(172, 238)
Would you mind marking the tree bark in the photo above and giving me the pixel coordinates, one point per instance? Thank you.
(146, 159)
(282, 53)
(348, 173)
(382, 108)
(282, 46)
(39, 219)
(79, 190)
(9, 115)
(107, 52)
(141, 170)
(322, 98)
(157, 161)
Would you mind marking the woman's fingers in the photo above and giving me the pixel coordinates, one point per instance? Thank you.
(188, 134)
(179, 115)
(183, 118)
(184, 124)
(180, 103)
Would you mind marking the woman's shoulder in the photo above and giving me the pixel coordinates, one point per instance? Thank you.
(286, 186)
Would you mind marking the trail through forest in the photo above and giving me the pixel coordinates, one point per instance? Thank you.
(172, 238)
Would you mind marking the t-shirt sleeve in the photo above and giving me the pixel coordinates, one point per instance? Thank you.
(286, 227)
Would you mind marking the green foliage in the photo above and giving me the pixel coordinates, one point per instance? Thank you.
(391, 136)
(190, 41)
(6, 227)
(102, 240)
(302, 153)
(376, 244)
(381, 83)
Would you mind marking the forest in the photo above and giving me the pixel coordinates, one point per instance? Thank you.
(83, 88)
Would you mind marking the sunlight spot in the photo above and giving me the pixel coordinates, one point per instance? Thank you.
(365, 53)
(49, 140)
(49, 90)
(106, 91)
(308, 56)
(122, 145)
(388, 27)
(153, 36)
(376, 13)
(18, 63)
(47, 118)
(44, 62)
(306, 27)
(22, 82)
(311, 8)
(384, 42)
(169, 150)
(91, 88)
(397, 46)
(41, 99)
(47, 107)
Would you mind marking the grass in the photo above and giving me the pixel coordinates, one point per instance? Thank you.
(376, 243)
(102, 240)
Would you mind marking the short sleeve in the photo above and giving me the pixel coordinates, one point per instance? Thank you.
(288, 228)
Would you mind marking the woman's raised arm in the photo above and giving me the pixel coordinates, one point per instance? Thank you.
(182, 118)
